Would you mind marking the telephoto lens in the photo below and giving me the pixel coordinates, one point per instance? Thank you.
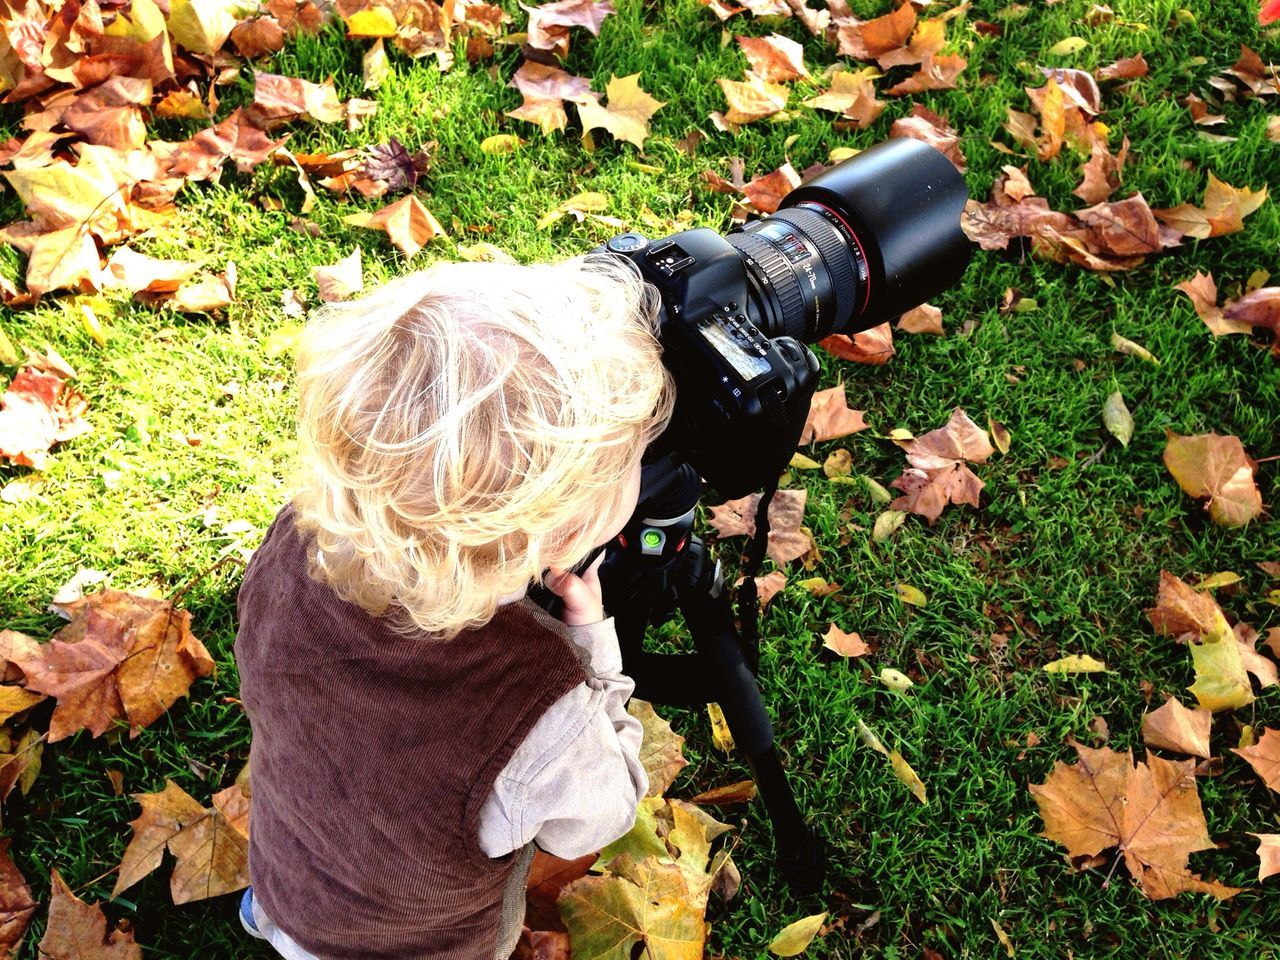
(857, 245)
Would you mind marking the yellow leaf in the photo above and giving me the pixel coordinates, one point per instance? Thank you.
(869, 737)
(912, 595)
(1075, 663)
(9, 356)
(1215, 580)
(887, 525)
(501, 143)
(1068, 46)
(89, 320)
(721, 736)
(799, 460)
(896, 680)
(627, 114)
(202, 26)
(1221, 680)
(796, 937)
(840, 154)
(902, 770)
(1127, 346)
(373, 22)
(839, 464)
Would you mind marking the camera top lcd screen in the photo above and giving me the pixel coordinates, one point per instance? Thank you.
(732, 345)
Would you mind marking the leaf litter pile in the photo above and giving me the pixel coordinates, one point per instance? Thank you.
(91, 182)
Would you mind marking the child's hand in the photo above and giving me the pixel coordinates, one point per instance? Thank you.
(583, 601)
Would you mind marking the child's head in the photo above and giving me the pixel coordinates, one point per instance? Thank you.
(466, 427)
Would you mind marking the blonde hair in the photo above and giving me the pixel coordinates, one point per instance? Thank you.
(463, 428)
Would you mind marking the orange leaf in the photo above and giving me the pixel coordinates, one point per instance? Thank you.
(775, 58)
(845, 644)
(874, 346)
(78, 931)
(830, 418)
(627, 114)
(752, 99)
(38, 410)
(16, 904)
(407, 222)
(1264, 757)
(787, 540)
(1217, 467)
(1174, 727)
(922, 319)
(278, 99)
(765, 193)
(923, 124)
(1224, 210)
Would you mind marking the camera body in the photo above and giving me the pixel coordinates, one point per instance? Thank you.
(738, 389)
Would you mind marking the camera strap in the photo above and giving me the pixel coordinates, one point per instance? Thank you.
(748, 593)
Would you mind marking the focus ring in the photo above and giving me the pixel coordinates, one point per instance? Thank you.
(782, 278)
(835, 254)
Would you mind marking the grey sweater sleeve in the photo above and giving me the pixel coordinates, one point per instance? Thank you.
(574, 783)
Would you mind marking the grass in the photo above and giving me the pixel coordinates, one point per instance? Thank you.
(1063, 556)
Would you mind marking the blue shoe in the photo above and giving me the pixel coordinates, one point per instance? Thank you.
(246, 915)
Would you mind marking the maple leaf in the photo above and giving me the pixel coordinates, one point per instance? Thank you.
(392, 164)
(787, 539)
(211, 845)
(925, 125)
(829, 417)
(660, 750)
(767, 192)
(937, 72)
(122, 657)
(549, 23)
(752, 99)
(38, 410)
(258, 37)
(767, 587)
(1264, 757)
(1218, 656)
(774, 58)
(139, 273)
(1126, 68)
(1203, 293)
(1268, 843)
(1257, 78)
(939, 472)
(1224, 210)
(1217, 467)
(545, 88)
(342, 279)
(925, 318)
(845, 644)
(627, 114)
(548, 875)
(873, 346)
(278, 99)
(78, 931)
(869, 39)
(1150, 811)
(1101, 172)
(202, 26)
(1174, 727)
(407, 222)
(16, 905)
(852, 95)
(235, 138)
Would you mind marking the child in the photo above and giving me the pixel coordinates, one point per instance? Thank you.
(418, 723)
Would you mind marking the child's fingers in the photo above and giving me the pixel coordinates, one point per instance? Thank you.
(591, 575)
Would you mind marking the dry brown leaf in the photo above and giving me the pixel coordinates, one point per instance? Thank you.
(236, 138)
(830, 418)
(852, 95)
(1174, 727)
(549, 23)
(1268, 854)
(1224, 210)
(741, 792)
(787, 538)
(1203, 293)
(1185, 613)
(407, 222)
(139, 273)
(1102, 172)
(925, 318)
(873, 346)
(767, 587)
(1150, 811)
(78, 931)
(766, 192)
(1217, 467)
(37, 410)
(923, 124)
(752, 99)
(939, 473)
(845, 644)
(16, 905)
(937, 72)
(1264, 757)
(775, 58)
(1126, 68)
(342, 279)
(869, 39)
(545, 88)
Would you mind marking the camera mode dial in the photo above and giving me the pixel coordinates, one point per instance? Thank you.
(627, 243)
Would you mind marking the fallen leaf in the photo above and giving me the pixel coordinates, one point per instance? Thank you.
(406, 221)
(925, 125)
(774, 58)
(753, 98)
(937, 72)
(1150, 811)
(278, 99)
(549, 23)
(628, 111)
(1174, 727)
(767, 192)
(1075, 663)
(873, 346)
(939, 473)
(721, 735)
(1217, 467)
(660, 751)
(38, 410)
(904, 772)
(1264, 757)
(887, 524)
(211, 845)
(16, 905)
(1000, 434)
(741, 792)
(1268, 854)
(868, 39)
(1203, 293)
(922, 319)
(139, 273)
(896, 680)
(1130, 348)
(78, 931)
(787, 538)
(342, 279)
(1224, 210)
(1126, 68)
(830, 418)
(1117, 418)
(844, 644)
(852, 95)
(795, 937)
(1101, 172)
(236, 138)
(545, 88)
(838, 464)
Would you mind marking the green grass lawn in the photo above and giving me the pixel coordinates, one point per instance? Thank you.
(1063, 556)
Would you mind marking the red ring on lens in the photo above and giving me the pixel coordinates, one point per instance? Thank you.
(861, 252)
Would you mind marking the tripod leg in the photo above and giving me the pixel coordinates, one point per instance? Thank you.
(800, 852)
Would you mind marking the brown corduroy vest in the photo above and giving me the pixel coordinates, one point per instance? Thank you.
(372, 756)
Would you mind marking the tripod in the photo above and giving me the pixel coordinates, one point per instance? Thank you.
(655, 567)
